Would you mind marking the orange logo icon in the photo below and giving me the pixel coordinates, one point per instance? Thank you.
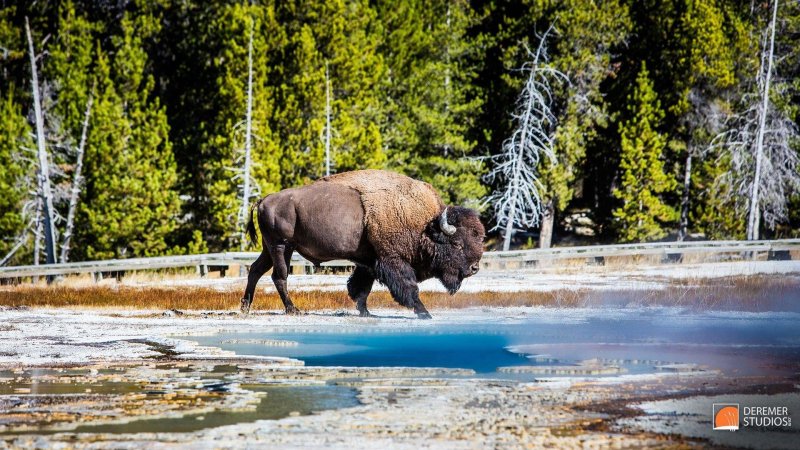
(726, 416)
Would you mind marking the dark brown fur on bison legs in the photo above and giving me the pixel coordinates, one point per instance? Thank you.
(281, 254)
(399, 277)
(257, 270)
(359, 286)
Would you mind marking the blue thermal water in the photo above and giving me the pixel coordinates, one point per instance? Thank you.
(637, 340)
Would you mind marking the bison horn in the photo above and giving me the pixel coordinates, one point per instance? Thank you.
(446, 227)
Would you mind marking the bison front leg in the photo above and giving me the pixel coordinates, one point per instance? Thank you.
(359, 286)
(401, 280)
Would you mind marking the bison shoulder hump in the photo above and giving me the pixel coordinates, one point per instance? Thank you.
(396, 208)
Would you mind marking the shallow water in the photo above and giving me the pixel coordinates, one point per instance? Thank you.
(55, 388)
(637, 340)
(279, 402)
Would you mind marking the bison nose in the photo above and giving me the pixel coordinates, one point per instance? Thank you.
(475, 268)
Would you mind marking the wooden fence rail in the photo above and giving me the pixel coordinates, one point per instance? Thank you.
(669, 251)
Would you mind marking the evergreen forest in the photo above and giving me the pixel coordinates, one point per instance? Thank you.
(136, 128)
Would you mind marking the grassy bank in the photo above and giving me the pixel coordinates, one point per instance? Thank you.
(753, 293)
(211, 299)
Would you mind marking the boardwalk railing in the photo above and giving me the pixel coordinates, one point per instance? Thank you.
(668, 251)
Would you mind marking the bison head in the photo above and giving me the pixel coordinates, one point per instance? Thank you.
(457, 234)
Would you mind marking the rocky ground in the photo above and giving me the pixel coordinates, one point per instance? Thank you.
(159, 374)
(400, 408)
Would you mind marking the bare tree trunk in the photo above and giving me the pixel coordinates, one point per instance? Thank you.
(687, 181)
(519, 202)
(247, 144)
(512, 210)
(44, 166)
(546, 231)
(755, 211)
(327, 121)
(20, 242)
(77, 180)
(509, 228)
(37, 236)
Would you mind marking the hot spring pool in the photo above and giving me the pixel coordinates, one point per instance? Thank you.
(635, 340)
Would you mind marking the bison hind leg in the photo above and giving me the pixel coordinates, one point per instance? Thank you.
(281, 257)
(359, 286)
(262, 264)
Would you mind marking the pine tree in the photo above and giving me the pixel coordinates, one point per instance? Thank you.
(713, 49)
(643, 180)
(342, 38)
(349, 35)
(301, 117)
(130, 206)
(69, 68)
(433, 100)
(761, 137)
(15, 141)
(224, 149)
(187, 55)
(714, 215)
(588, 32)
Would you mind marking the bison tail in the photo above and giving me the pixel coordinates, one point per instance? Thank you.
(251, 226)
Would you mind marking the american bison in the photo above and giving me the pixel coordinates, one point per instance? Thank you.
(395, 229)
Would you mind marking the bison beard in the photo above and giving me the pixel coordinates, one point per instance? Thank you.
(395, 229)
(451, 282)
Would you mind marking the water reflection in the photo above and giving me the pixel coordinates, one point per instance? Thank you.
(278, 402)
(639, 340)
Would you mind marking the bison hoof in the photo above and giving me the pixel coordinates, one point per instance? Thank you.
(292, 310)
(424, 315)
(245, 309)
(364, 313)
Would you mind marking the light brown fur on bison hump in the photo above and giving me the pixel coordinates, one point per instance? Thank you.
(396, 208)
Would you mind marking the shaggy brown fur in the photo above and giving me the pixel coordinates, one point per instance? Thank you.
(391, 226)
(395, 230)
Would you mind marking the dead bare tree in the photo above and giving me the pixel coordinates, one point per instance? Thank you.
(77, 181)
(243, 174)
(327, 121)
(38, 235)
(760, 142)
(518, 201)
(45, 189)
(754, 213)
(20, 241)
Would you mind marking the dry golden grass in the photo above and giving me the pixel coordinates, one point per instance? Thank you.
(210, 299)
(752, 293)
(745, 293)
